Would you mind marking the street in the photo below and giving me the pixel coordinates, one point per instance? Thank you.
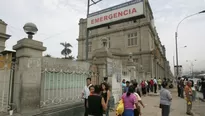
(199, 106)
(178, 107)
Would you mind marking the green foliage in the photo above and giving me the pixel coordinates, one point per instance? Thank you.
(66, 50)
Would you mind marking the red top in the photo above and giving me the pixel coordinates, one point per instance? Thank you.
(151, 82)
(143, 84)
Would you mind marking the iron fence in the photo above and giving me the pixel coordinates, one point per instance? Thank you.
(62, 86)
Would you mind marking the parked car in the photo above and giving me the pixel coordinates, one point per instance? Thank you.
(197, 83)
(198, 86)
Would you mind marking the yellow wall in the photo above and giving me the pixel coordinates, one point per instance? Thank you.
(5, 60)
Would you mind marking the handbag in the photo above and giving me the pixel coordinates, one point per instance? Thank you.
(120, 108)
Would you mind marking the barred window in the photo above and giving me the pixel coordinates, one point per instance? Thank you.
(132, 39)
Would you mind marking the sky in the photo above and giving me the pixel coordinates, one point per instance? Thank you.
(57, 21)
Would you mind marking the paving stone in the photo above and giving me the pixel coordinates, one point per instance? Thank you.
(178, 107)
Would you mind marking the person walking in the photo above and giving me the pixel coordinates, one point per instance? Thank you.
(189, 94)
(193, 90)
(86, 93)
(165, 100)
(182, 87)
(137, 110)
(127, 86)
(105, 93)
(143, 86)
(148, 86)
(96, 103)
(203, 87)
(137, 90)
(155, 85)
(159, 81)
(123, 86)
(179, 87)
(129, 100)
(151, 84)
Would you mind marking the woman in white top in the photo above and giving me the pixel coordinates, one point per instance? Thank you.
(193, 90)
(137, 110)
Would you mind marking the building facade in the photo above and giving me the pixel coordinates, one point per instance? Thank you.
(3, 35)
(136, 36)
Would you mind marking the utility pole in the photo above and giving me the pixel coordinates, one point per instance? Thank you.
(89, 4)
(176, 39)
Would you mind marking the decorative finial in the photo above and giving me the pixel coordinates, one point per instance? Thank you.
(30, 29)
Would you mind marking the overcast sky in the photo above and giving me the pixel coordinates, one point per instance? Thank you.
(57, 21)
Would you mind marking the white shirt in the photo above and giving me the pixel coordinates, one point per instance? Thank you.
(138, 97)
(155, 81)
(193, 88)
(86, 91)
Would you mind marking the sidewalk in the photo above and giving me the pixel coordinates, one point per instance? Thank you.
(178, 107)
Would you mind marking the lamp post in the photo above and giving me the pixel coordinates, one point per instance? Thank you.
(176, 38)
(90, 3)
(192, 67)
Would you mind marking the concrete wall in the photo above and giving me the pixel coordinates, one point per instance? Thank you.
(116, 78)
(62, 81)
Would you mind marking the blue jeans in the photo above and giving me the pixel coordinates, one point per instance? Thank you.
(128, 112)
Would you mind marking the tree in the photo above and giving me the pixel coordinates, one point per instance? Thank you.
(47, 55)
(66, 51)
(71, 57)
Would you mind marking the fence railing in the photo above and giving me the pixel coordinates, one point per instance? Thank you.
(62, 87)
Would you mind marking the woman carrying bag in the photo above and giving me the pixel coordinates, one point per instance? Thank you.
(129, 100)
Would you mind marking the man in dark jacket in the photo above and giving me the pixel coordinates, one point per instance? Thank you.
(178, 87)
(203, 87)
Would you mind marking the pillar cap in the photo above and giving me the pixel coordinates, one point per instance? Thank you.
(29, 43)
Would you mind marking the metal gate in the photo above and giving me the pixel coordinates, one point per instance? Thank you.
(6, 80)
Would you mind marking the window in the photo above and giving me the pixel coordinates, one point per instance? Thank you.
(90, 47)
(132, 39)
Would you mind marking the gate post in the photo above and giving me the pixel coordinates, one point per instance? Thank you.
(27, 80)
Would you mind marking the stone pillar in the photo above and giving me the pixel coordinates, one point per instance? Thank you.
(3, 35)
(27, 82)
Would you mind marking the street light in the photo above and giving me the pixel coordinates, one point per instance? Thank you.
(192, 66)
(88, 11)
(176, 36)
